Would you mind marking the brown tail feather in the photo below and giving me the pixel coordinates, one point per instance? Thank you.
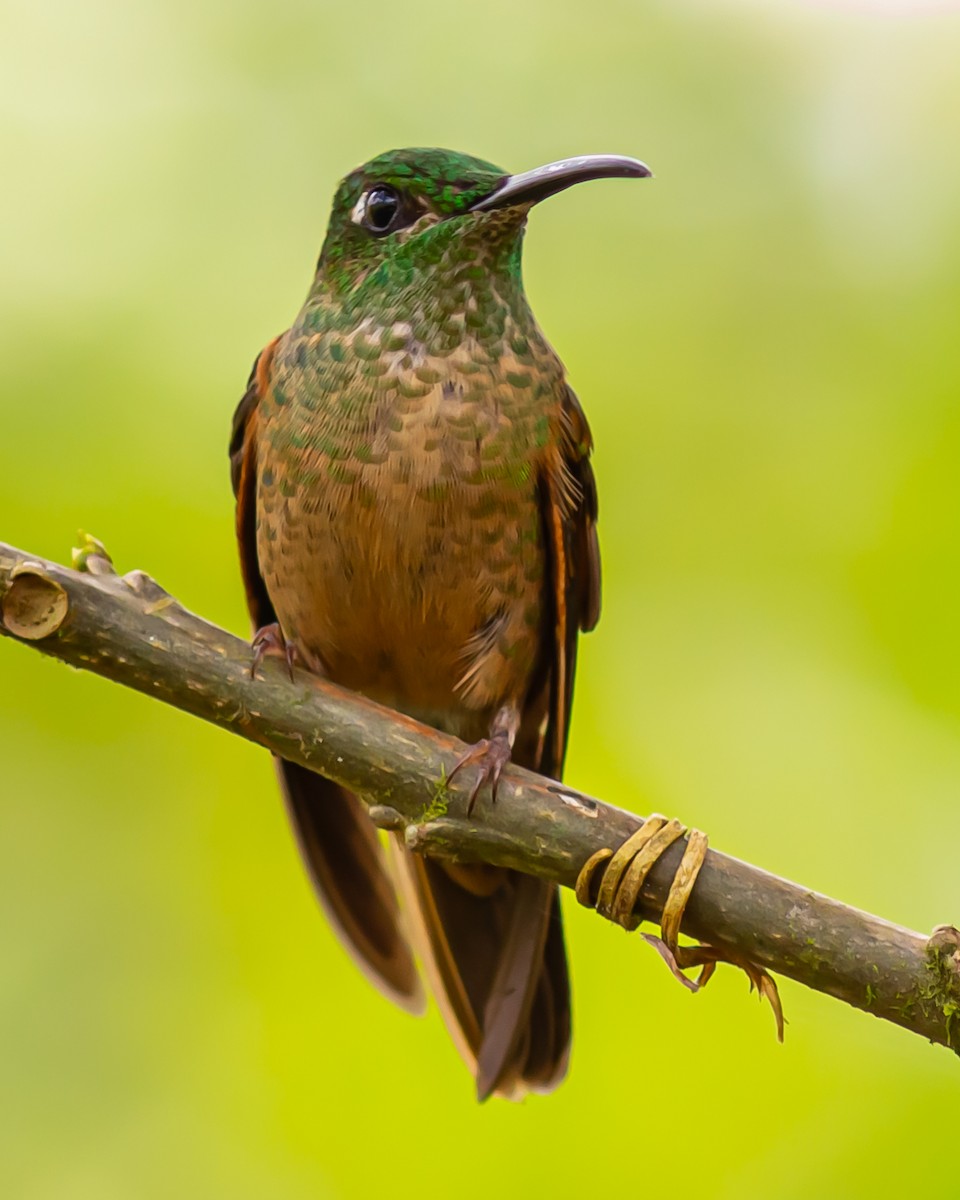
(550, 1017)
(497, 966)
(342, 852)
(506, 1013)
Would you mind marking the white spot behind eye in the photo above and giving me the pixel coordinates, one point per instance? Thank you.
(359, 211)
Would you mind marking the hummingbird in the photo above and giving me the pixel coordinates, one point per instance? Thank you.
(416, 515)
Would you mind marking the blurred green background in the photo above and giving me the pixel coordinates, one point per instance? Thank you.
(765, 338)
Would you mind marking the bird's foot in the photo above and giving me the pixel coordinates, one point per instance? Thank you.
(491, 755)
(706, 957)
(623, 876)
(269, 640)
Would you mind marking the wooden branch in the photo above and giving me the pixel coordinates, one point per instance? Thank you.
(130, 630)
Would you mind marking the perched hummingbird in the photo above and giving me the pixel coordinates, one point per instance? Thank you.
(416, 514)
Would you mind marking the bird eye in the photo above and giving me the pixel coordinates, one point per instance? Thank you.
(381, 209)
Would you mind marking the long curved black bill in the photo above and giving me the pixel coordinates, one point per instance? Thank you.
(535, 185)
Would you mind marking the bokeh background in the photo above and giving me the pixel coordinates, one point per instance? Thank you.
(765, 338)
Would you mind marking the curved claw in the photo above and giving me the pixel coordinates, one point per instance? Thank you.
(270, 640)
(491, 755)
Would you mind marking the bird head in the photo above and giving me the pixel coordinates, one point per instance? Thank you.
(410, 219)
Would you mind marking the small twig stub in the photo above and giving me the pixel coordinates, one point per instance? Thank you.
(33, 606)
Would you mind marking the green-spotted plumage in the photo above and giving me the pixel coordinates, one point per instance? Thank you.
(416, 513)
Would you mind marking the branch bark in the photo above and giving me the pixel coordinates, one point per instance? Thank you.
(132, 631)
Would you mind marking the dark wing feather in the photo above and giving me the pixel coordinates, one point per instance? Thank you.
(569, 495)
(339, 843)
